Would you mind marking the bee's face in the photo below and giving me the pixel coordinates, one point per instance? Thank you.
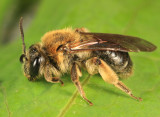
(32, 62)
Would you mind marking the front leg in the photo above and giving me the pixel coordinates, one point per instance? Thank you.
(49, 78)
(75, 73)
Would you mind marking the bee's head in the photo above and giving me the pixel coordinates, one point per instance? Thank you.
(32, 59)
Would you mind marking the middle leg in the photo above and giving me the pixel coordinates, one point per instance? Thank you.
(75, 73)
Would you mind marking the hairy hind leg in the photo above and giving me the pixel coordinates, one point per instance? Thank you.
(111, 77)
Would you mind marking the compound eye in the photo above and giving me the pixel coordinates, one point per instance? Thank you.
(34, 67)
(36, 62)
(21, 59)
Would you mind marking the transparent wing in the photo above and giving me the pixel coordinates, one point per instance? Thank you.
(114, 42)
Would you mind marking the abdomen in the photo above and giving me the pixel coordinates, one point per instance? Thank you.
(120, 62)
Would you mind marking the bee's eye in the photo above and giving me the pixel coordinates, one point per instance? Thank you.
(35, 66)
(21, 59)
(36, 62)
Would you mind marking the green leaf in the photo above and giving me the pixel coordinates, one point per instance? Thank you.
(140, 18)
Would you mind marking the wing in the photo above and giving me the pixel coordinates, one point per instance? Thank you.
(114, 42)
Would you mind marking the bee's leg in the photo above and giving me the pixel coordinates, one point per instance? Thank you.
(75, 73)
(111, 77)
(49, 78)
(56, 80)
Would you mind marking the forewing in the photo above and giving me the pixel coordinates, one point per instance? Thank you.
(114, 42)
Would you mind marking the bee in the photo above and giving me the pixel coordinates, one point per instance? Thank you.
(68, 50)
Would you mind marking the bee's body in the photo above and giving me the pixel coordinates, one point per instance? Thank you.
(120, 62)
(62, 61)
(68, 50)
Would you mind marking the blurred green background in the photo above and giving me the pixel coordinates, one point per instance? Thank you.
(19, 97)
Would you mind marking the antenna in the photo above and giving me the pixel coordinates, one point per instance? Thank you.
(22, 35)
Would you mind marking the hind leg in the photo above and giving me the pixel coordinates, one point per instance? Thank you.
(110, 76)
